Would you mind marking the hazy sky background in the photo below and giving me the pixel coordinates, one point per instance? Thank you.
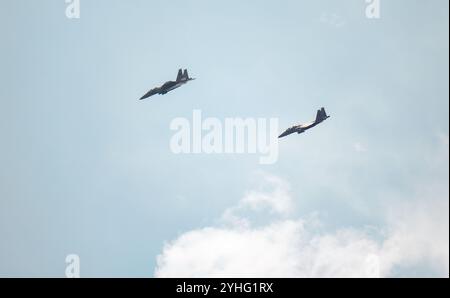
(86, 168)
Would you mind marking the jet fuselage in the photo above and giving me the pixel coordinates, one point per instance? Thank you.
(321, 116)
(182, 78)
(169, 86)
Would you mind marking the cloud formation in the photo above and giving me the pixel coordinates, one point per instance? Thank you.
(415, 234)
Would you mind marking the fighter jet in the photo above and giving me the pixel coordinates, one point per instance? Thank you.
(321, 116)
(182, 78)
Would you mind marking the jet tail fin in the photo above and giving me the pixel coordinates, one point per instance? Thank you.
(321, 115)
(318, 116)
(180, 75)
(185, 74)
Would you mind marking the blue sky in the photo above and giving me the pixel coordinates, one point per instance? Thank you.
(87, 168)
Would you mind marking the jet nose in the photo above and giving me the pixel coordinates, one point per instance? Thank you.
(283, 134)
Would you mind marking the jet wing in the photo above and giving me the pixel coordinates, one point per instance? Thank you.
(151, 93)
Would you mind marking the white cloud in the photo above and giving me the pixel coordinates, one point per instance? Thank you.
(278, 200)
(281, 249)
(416, 232)
(419, 232)
(272, 195)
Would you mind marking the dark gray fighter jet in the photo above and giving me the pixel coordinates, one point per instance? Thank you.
(182, 78)
(321, 116)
